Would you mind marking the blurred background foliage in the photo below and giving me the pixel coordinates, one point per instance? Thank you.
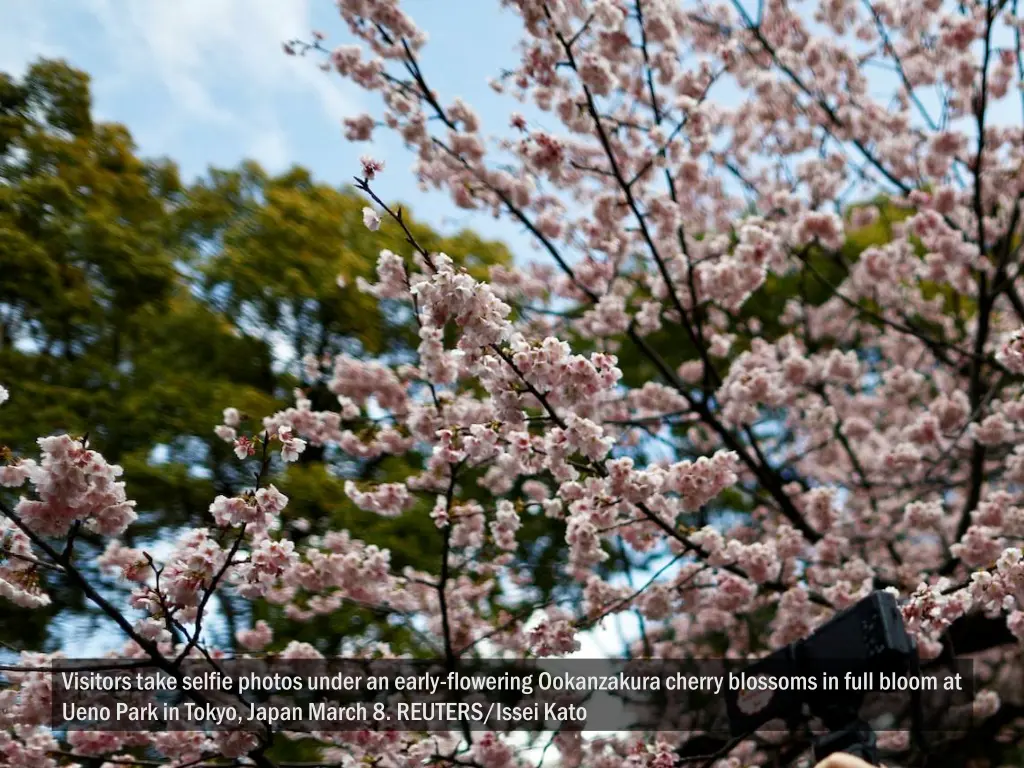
(135, 306)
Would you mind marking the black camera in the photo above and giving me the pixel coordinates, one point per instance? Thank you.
(868, 637)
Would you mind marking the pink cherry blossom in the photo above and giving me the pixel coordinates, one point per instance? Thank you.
(257, 638)
(764, 359)
(388, 499)
(371, 167)
(370, 219)
(75, 484)
(291, 446)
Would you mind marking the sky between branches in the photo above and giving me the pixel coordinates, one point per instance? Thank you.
(206, 82)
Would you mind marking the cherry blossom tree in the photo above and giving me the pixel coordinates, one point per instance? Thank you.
(804, 226)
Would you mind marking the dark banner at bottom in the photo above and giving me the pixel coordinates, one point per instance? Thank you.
(707, 696)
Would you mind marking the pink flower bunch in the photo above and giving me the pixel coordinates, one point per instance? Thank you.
(257, 638)
(387, 499)
(188, 572)
(19, 578)
(448, 295)
(75, 484)
(766, 360)
(257, 510)
(266, 564)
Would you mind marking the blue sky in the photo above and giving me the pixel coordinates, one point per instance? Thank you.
(205, 82)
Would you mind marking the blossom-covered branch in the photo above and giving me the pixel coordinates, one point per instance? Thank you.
(739, 402)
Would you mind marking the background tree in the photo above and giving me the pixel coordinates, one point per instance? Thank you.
(133, 306)
(778, 403)
(284, 256)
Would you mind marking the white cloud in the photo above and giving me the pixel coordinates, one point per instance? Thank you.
(31, 40)
(167, 69)
(272, 149)
(195, 47)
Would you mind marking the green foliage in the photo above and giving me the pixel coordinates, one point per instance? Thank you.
(135, 307)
